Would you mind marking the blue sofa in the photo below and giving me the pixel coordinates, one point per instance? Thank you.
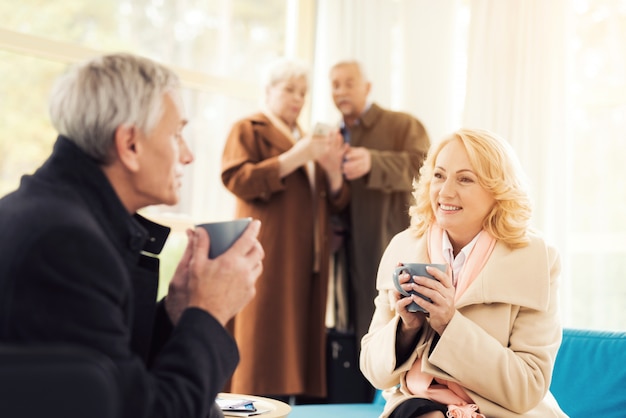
(589, 380)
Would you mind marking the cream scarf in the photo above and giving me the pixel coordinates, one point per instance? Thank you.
(421, 384)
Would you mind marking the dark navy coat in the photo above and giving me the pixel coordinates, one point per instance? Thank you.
(76, 267)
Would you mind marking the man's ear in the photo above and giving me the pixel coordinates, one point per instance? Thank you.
(368, 87)
(127, 147)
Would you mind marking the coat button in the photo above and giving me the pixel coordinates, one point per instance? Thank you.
(136, 241)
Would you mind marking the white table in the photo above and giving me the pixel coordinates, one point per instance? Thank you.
(275, 408)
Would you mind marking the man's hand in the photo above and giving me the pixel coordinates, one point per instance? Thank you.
(358, 162)
(224, 285)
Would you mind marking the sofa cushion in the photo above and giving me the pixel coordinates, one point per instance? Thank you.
(590, 374)
(339, 410)
(588, 380)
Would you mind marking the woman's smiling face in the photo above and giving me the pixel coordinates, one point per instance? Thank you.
(459, 202)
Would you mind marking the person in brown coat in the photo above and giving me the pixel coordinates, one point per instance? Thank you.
(387, 149)
(291, 182)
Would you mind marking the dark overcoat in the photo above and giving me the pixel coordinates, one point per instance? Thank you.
(379, 203)
(281, 333)
(77, 268)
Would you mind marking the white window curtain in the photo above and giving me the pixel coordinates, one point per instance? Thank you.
(407, 48)
(515, 87)
(507, 66)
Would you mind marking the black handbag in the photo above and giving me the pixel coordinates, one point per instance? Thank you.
(346, 383)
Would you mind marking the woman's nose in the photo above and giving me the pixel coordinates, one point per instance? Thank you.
(447, 188)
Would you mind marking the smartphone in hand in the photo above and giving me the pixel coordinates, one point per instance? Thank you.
(321, 129)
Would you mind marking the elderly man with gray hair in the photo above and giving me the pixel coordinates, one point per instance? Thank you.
(387, 149)
(79, 266)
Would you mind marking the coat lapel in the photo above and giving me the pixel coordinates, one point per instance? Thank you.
(264, 128)
(526, 269)
(367, 120)
(527, 283)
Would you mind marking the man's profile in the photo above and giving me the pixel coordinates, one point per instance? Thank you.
(79, 266)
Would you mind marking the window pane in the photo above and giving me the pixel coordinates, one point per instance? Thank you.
(597, 125)
(228, 39)
(599, 290)
(27, 135)
(223, 38)
(211, 115)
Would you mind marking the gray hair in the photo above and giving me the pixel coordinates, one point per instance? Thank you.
(92, 100)
(352, 62)
(283, 69)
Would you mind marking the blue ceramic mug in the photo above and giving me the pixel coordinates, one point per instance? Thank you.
(414, 269)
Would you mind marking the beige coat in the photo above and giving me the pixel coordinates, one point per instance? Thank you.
(281, 332)
(501, 343)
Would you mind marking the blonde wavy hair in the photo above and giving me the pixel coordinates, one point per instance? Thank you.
(498, 171)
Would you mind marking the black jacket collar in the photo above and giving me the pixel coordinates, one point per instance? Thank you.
(69, 165)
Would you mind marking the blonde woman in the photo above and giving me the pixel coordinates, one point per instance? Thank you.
(487, 344)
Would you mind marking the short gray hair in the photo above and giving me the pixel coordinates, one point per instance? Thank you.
(352, 62)
(92, 100)
(283, 69)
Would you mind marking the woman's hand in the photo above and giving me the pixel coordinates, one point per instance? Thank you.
(308, 147)
(331, 159)
(440, 291)
(312, 148)
(410, 322)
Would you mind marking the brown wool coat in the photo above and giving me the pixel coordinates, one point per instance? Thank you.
(281, 333)
(380, 201)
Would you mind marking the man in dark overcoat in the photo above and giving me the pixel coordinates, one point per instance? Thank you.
(79, 266)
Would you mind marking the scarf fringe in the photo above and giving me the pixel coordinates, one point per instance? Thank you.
(464, 411)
